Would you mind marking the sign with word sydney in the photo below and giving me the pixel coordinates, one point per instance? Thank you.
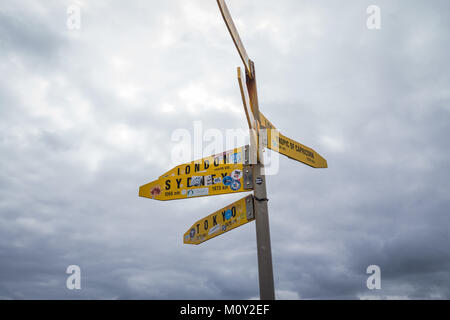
(218, 174)
(232, 216)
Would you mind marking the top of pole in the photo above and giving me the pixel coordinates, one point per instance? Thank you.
(236, 39)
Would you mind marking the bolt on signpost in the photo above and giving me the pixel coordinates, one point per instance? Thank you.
(237, 170)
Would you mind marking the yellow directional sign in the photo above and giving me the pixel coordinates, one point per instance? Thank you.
(294, 150)
(221, 179)
(235, 35)
(234, 158)
(221, 221)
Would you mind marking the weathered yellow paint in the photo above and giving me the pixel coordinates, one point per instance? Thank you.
(233, 158)
(294, 150)
(220, 179)
(221, 221)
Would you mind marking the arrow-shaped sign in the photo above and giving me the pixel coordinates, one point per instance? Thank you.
(232, 158)
(294, 150)
(232, 216)
(227, 172)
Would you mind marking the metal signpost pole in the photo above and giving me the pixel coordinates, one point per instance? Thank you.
(237, 170)
(265, 269)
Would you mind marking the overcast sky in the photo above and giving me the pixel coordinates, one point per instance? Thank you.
(86, 117)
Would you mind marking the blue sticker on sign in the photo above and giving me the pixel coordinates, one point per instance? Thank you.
(227, 180)
(235, 157)
(228, 214)
(235, 185)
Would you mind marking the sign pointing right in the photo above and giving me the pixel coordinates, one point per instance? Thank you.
(291, 148)
(294, 150)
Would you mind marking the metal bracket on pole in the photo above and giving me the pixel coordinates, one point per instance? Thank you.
(250, 208)
(248, 177)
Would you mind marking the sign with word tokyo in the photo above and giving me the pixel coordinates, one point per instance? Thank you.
(232, 216)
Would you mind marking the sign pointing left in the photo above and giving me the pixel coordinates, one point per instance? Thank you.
(213, 175)
(221, 221)
(233, 157)
(223, 180)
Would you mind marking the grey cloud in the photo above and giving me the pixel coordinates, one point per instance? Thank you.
(83, 125)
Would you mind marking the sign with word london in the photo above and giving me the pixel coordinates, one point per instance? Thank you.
(232, 216)
(214, 175)
(233, 158)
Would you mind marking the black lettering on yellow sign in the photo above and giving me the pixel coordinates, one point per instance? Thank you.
(233, 213)
(283, 142)
(304, 151)
(234, 156)
(197, 167)
(296, 147)
(212, 221)
(219, 222)
(179, 182)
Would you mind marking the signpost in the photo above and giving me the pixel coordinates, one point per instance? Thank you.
(224, 179)
(234, 158)
(228, 172)
(232, 216)
(237, 170)
(294, 150)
